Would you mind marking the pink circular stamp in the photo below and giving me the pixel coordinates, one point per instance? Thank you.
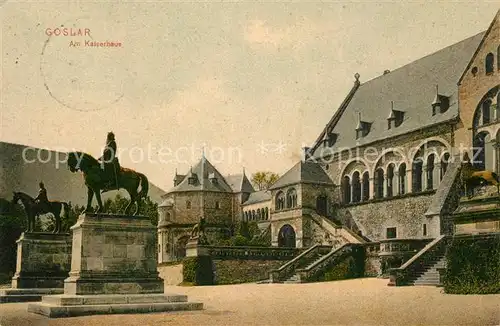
(81, 65)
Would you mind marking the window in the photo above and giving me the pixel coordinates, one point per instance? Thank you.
(402, 178)
(188, 204)
(390, 233)
(417, 175)
(280, 201)
(366, 187)
(474, 71)
(379, 183)
(356, 187)
(489, 63)
(430, 172)
(390, 177)
(486, 112)
(424, 231)
(346, 189)
(217, 205)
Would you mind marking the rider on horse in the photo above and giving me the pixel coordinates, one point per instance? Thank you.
(42, 200)
(110, 163)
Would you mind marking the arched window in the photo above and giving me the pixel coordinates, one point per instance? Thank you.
(280, 201)
(402, 178)
(254, 216)
(291, 198)
(267, 213)
(346, 190)
(486, 112)
(430, 171)
(259, 216)
(366, 187)
(356, 187)
(188, 204)
(489, 63)
(379, 183)
(479, 152)
(444, 164)
(416, 174)
(390, 177)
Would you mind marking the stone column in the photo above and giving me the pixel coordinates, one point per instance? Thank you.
(395, 184)
(351, 200)
(371, 188)
(424, 177)
(362, 189)
(384, 183)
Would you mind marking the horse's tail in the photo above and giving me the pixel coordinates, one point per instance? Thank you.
(66, 210)
(144, 186)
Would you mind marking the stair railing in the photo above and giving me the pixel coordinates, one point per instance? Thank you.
(288, 269)
(402, 275)
(319, 267)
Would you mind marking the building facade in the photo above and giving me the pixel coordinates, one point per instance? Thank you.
(385, 166)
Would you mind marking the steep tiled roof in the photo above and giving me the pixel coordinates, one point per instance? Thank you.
(239, 183)
(303, 172)
(412, 88)
(202, 173)
(258, 197)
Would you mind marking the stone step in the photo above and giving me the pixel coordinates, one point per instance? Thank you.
(31, 291)
(52, 311)
(20, 298)
(76, 300)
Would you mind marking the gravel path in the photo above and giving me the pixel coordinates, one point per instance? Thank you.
(352, 302)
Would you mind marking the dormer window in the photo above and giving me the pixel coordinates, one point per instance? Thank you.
(329, 138)
(363, 128)
(395, 118)
(440, 104)
(192, 179)
(212, 178)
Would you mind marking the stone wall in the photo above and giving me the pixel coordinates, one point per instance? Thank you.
(243, 271)
(372, 218)
(472, 88)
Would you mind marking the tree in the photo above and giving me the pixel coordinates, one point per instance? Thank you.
(262, 180)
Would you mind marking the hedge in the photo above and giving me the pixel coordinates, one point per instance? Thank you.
(198, 270)
(473, 265)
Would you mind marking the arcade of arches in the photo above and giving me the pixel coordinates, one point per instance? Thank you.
(392, 176)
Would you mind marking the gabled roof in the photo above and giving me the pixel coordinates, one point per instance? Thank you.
(239, 183)
(202, 171)
(303, 172)
(479, 46)
(412, 88)
(258, 197)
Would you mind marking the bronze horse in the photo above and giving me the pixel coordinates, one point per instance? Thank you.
(472, 178)
(33, 210)
(94, 177)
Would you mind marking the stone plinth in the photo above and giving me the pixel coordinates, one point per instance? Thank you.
(43, 263)
(113, 270)
(113, 254)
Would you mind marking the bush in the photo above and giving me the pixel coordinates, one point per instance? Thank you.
(198, 270)
(11, 227)
(473, 265)
(239, 240)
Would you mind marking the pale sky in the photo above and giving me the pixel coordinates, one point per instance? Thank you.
(227, 76)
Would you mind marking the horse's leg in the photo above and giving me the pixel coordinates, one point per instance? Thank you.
(132, 200)
(138, 202)
(99, 200)
(90, 196)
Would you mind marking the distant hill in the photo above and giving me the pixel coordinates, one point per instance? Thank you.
(18, 174)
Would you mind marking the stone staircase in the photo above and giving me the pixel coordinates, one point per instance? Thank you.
(423, 268)
(313, 260)
(287, 271)
(429, 275)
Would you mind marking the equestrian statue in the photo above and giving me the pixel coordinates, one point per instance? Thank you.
(34, 207)
(105, 174)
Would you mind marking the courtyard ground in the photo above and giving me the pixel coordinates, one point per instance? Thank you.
(352, 302)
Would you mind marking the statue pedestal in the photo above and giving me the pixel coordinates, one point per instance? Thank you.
(113, 270)
(43, 263)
